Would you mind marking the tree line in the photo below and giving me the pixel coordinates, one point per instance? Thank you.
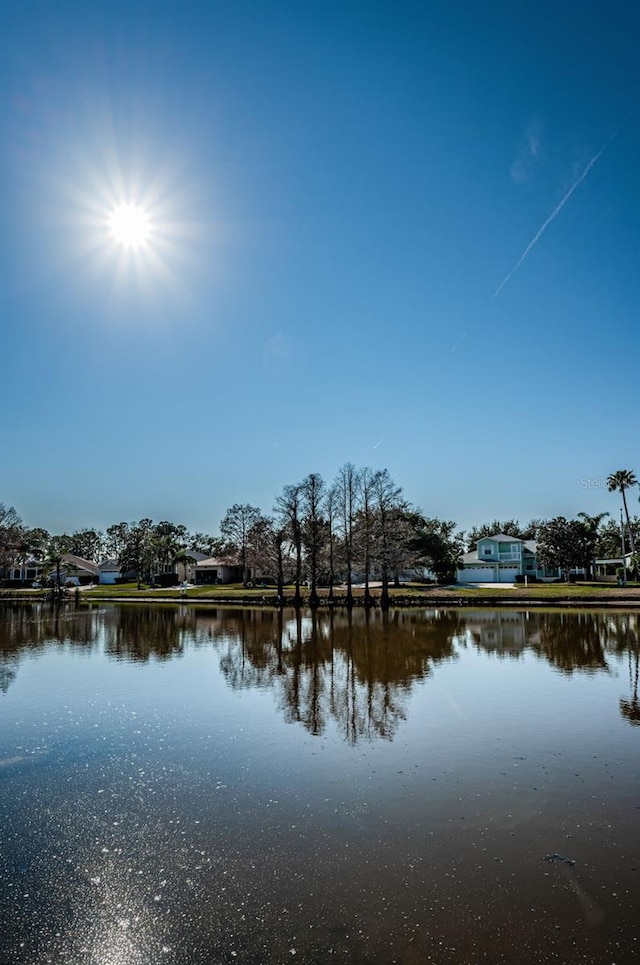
(325, 534)
(355, 667)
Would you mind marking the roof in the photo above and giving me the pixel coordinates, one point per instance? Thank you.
(79, 563)
(197, 555)
(109, 565)
(217, 561)
(503, 538)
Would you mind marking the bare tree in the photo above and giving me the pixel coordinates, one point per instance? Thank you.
(289, 509)
(312, 491)
(331, 511)
(386, 498)
(235, 527)
(279, 542)
(347, 494)
(366, 478)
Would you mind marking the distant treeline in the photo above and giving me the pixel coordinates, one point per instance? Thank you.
(356, 528)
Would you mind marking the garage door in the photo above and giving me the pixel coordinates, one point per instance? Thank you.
(477, 574)
(508, 574)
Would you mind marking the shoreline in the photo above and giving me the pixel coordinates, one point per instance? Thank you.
(575, 597)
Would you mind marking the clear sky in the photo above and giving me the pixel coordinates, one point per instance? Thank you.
(335, 193)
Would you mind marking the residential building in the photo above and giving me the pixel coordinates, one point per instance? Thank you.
(502, 559)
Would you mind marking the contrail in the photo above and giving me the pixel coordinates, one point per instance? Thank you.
(554, 214)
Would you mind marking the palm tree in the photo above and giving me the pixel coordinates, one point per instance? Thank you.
(56, 551)
(184, 557)
(592, 523)
(620, 481)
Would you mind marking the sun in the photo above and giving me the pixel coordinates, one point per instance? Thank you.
(129, 226)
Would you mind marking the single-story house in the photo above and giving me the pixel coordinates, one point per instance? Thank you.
(26, 571)
(108, 572)
(501, 559)
(188, 572)
(214, 570)
(607, 569)
(75, 567)
(72, 567)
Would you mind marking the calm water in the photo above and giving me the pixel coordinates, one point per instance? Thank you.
(200, 786)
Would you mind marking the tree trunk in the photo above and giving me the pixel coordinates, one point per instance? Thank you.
(384, 594)
(626, 512)
(349, 600)
(331, 576)
(313, 596)
(367, 566)
(297, 598)
(280, 577)
(245, 572)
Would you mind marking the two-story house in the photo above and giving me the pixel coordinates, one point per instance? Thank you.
(501, 559)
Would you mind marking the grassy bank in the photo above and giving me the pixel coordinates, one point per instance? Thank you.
(407, 595)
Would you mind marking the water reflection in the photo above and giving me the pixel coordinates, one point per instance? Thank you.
(353, 669)
(155, 808)
(629, 707)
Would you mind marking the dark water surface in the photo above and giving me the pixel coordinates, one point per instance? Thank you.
(199, 786)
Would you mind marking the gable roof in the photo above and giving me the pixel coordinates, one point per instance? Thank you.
(217, 561)
(503, 538)
(79, 563)
(197, 556)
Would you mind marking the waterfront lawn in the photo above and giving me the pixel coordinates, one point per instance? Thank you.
(419, 591)
(537, 591)
(422, 594)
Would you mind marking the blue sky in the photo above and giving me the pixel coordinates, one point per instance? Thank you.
(335, 191)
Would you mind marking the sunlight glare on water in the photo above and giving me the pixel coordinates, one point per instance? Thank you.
(190, 785)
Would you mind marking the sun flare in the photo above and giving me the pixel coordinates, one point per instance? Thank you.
(129, 226)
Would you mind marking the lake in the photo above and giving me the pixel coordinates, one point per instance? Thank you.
(193, 785)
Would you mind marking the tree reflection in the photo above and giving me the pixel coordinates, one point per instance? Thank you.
(625, 632)
(8, 670)
(629, 706)
(28, 627)
(353, 668)
(574, 641)
(139, 634)
(348, 670)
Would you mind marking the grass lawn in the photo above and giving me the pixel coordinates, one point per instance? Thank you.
(536, 591)
(212, 591)
(235, 591)
(403, 596)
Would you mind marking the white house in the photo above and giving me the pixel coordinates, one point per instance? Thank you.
(607, 569)
(188, 571)
(108, 572)
(213, 570)
(501, 559)
(72, 568)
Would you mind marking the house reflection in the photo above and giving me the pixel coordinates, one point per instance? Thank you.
(352, 671)
(505, 633)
